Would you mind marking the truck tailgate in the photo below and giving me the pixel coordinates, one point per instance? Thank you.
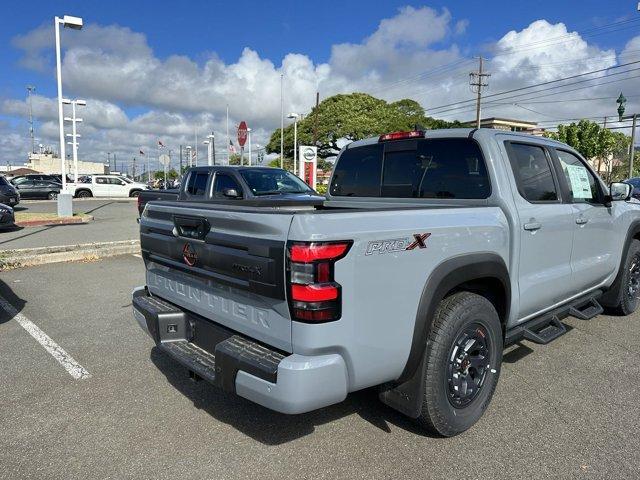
(225, 264)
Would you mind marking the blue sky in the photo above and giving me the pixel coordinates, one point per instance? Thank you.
(196, 28)
(174, 39)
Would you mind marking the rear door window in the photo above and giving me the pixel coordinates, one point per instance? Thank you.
(532, 169)
(197, 184)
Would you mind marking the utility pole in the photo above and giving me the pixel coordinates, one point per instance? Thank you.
(109, 160)
(315, 120)
(633, 141)
(281, 120)
(134, 168)
(180, 173)
(32, 133)
(115, 164)
(477, 80)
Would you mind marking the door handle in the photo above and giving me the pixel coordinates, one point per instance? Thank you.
(532, 226)
(581, 220)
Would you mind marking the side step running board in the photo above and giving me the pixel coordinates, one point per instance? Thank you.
(547, 333)
(547, 327)
(593, 309)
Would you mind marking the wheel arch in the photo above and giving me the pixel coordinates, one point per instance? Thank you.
(134, 190)
(483, 273)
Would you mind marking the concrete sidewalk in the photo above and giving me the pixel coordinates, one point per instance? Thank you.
(114, 220)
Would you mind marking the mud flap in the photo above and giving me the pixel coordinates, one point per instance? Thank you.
(406, 397)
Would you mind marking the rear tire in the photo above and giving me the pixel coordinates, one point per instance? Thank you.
(52, 195)
(84, 194)
(463, 359)
(623, 296)
(135, 193)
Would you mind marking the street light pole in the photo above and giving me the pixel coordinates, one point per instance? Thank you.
(249, 141)
(65, 207)
(622, 101)
(57, 21)
(295, 117)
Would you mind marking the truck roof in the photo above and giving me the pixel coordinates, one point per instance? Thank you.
(461, 133)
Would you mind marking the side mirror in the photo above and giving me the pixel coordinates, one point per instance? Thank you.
(230, 193)
(618, 191)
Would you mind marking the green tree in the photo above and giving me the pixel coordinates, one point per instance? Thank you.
(352, 117)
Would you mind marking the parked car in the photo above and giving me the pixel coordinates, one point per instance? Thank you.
(37, 176)
(249, 185)
(107, 186)
(433, 251)
(39, 189)
(635, 183)
(9, 195)
(7, 218)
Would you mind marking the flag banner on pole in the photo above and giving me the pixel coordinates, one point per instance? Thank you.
(160, 143)
(232, 148)
(141, 152)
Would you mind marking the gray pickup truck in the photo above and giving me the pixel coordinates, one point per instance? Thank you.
(433, 251)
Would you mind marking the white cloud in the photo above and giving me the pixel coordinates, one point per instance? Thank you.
(117, 72)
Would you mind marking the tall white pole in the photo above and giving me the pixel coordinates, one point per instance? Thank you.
(228, 144)
(56, 23)
(249, 139)
(75, 142)
(195, 134)
(281, 120)
(295, 146)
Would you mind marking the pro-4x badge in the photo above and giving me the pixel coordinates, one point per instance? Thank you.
(189, 255)
(398, 244)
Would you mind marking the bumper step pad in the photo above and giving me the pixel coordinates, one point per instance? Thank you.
(196, 359)
(208, 350)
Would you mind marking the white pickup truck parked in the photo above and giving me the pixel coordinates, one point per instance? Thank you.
(107, 186)
(433, 251)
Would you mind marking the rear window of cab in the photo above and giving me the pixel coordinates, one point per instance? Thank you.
(425, 168)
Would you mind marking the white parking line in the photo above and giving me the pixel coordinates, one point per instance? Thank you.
(137, 255)
(76, 370)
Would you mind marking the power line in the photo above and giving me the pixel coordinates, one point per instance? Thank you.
(468, 108)
(549, 82)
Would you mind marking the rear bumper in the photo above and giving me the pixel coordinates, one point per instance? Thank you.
(287, 383)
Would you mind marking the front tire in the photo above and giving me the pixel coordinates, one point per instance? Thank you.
(463, 359)
(626, 289)
(52, 195)
(135, 194)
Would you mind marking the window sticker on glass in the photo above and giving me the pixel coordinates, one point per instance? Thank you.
(579, 179)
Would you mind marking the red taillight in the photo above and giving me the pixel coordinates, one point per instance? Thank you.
(314, 295)
(309, 252)
(401, 135)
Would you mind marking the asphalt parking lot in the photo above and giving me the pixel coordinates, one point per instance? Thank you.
(114, 220)
(566, 410)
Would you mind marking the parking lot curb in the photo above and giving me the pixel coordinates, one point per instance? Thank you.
(57, 221)
(28, 257)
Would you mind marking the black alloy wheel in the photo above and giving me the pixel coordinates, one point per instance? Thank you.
(468, 365)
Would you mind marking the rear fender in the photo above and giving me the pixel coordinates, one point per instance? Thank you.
(407, 392)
